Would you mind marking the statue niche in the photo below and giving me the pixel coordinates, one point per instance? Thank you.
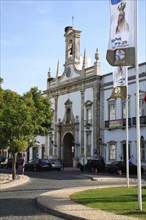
(68, 116)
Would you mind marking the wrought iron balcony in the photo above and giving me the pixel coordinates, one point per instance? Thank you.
(118, 123)
(142, 120)
(124, 121)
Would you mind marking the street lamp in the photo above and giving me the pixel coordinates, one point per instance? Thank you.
(72, 149)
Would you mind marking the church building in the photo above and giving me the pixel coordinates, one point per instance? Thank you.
(75, 98)
(87, 122)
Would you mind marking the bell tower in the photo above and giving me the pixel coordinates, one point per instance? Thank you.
(72, 46)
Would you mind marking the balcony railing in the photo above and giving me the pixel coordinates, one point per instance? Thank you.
(118, 123)
(142, 120)
(121, 123)
(124, 121)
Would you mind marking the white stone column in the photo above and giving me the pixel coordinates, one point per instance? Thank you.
(82, 124)
(59, 140)
(40, 152)
(76, 138)
(47, 151)
(55, 150)
(96, 118)
(30, 153)
(76, 145)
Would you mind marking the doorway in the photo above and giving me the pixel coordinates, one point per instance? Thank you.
(68, 155)
(124, 151)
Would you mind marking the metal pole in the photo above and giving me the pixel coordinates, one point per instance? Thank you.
(137, 115)
(127, 133)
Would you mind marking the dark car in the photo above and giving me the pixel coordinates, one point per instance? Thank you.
(119, 167)
(38, 165)
(55, 164)
(2, 159)
(9, 163)
(93, 165)
(3, 162)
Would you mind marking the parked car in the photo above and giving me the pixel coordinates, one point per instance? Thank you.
(3, 162)
(9, 163)
(119, 167)
(38, 165)
(55, 164)
(93, 165)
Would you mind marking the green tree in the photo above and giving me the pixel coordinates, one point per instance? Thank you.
(1, 81)
(22, 118)
(42, 114)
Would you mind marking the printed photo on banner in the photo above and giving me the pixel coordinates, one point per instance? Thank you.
(121, 46)
(119, 76)
(120, 29)
(119, 82)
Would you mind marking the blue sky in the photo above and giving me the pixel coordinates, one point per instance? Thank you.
(32, 37)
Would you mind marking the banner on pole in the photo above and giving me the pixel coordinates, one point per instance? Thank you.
(119, 83)
(145, 98)
(122, 40)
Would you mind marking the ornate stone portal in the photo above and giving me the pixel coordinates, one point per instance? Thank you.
(68, 137)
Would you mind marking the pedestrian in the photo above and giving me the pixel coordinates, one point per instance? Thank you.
(131, 159)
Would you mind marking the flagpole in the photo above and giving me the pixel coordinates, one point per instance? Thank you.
(137, 115)
(127, 133)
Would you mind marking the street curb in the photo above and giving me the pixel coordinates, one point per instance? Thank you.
(43, 203)
(13, 183)
(116, 179)
(55, 212)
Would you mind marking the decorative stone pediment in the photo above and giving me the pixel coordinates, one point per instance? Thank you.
(68, 103)
(88, 103)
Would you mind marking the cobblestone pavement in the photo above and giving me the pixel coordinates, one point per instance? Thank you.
(53, 188)
(58, 202)
(19, 202)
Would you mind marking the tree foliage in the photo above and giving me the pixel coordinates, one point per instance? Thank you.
(41, 111)
(1, 81)
(22, 118)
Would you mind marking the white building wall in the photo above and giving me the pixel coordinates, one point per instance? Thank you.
(89, 94)
(119, 135)
(75, 98)
(52, 103)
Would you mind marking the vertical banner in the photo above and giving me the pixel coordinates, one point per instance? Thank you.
(122, 39)
(119, 83)
(145, 98)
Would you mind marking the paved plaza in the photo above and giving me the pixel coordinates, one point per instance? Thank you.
(57, 202)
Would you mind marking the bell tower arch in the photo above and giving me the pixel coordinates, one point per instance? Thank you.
(72, 44)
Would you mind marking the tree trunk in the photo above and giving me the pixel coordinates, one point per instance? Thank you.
(14, 166)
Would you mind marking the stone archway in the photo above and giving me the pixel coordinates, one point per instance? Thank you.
(68, 155)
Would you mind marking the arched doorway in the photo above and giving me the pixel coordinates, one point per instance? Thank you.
(68, 155)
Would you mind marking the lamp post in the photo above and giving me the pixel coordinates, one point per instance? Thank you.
(73, 150)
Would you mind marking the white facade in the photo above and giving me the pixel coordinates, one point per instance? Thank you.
(81, 101)
(115, 139)
(74, 96)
